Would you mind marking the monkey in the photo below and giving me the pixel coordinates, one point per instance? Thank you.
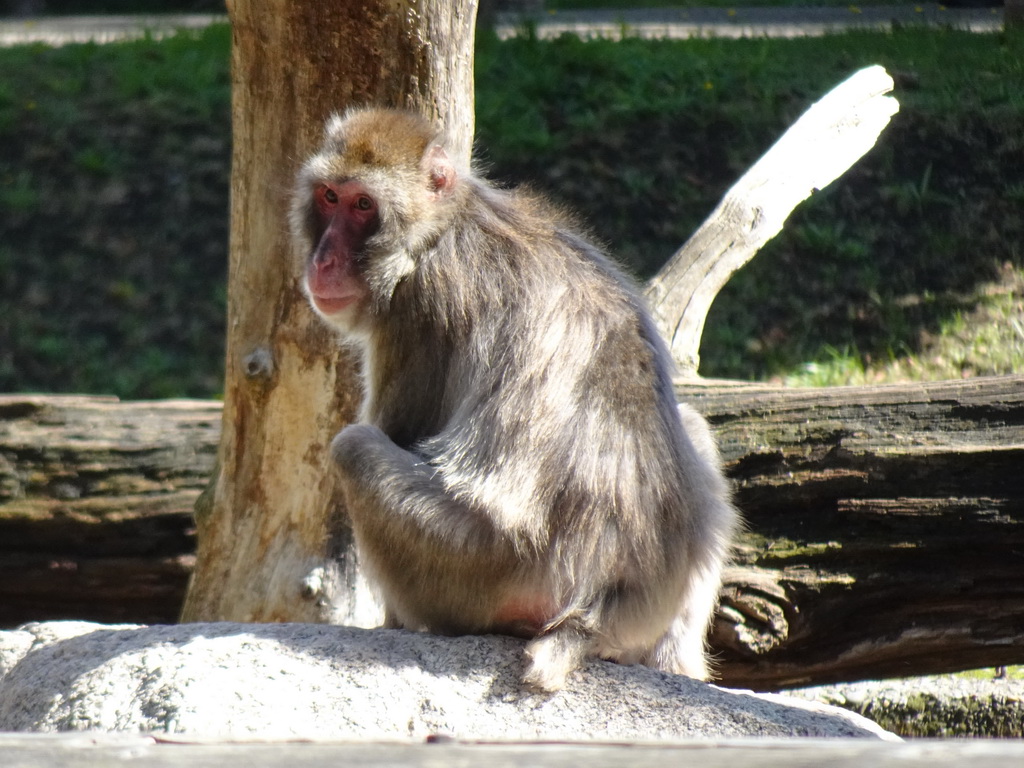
(519, 465)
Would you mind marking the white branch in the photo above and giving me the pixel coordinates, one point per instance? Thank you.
(829, 138)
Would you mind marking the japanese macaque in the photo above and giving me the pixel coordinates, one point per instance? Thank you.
(520, 465)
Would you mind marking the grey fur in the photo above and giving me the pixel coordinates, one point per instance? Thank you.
(520, 440)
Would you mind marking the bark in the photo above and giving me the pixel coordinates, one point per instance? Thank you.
(885, 530)
(885, 525)
(95, 505)
(827, 139)
(264, 552)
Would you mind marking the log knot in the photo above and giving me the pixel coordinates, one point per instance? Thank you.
(258, 364)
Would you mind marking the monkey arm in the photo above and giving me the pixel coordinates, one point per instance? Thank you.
(440, 564)
(399, 490)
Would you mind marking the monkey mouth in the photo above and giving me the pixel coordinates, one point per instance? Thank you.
(332, 305)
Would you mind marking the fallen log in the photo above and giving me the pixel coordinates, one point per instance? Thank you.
(885, 525)
(885, 529)
(96, 502)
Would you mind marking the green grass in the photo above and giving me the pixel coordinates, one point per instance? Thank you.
(114, 167)
(987, 339)
(113, 216)
(1003, 673)
(645, 137)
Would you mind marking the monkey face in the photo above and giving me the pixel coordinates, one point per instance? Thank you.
(345, 217)
(366, 207)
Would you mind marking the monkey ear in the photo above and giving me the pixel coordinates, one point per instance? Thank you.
(441, 173)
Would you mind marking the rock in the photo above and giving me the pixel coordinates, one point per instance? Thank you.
(934, 705)
(315, 681)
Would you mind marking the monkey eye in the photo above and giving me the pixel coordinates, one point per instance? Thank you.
(363, 203)
(326, 198)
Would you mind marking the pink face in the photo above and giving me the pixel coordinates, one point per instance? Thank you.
(346, 217)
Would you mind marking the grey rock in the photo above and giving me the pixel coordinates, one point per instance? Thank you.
(934, 705)
(316, 681)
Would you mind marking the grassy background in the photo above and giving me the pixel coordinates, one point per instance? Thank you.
(113, 216)
(114, 180)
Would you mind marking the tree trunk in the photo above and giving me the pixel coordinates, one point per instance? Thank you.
(885, 525)
(264, 553)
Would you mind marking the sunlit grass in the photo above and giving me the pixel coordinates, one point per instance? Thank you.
(1001, 673)
(987, 339)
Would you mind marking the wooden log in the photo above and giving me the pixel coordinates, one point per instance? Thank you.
(885, 529)
(39, 750)
(96, 502)
(885, 524)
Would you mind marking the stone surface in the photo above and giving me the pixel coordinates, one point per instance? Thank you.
(933, 706)
(315, 681)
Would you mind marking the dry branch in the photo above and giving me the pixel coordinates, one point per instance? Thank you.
(830, 137)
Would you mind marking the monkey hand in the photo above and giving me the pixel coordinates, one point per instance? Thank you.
(355, 445)
(377, 475)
